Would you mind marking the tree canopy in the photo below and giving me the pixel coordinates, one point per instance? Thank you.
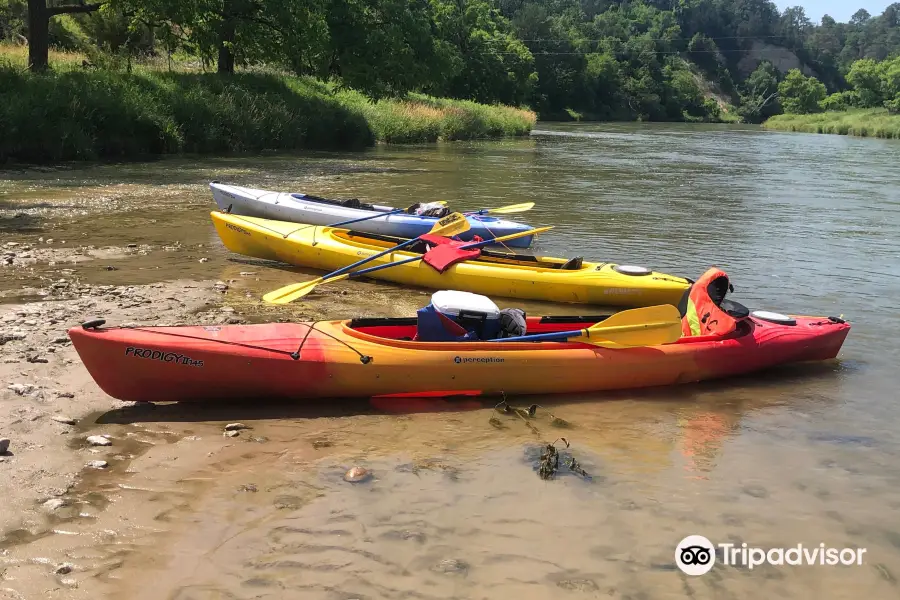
(608, 59)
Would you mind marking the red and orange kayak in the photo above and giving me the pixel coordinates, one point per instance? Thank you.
(377, 357)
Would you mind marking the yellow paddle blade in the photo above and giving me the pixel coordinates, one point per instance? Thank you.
(650, 326)
(512, 208)
(289, 293)
(452, 224)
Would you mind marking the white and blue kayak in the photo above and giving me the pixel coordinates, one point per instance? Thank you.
(313, 210)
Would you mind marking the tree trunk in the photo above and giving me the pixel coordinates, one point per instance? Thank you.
(226, 40)
(38, 35)
(39, 28)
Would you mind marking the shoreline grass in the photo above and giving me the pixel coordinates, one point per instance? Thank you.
(873, 122)
(75, 113)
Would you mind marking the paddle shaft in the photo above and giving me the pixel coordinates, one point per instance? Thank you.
(564, 335)
(415, 258)
(369, 259)
(380, 214)
(439, 226)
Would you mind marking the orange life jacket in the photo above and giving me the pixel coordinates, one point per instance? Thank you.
(703, 316)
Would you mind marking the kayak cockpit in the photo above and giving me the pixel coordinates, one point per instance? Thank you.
(406, 328)
(371, 241)
(345, 202)
(455, 316)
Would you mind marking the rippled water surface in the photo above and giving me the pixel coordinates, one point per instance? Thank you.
(803, 224)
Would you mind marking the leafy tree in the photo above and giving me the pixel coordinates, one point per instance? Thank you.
(759, 94)
(383, 47)
(800, 94)
(487, 62)
(865, 78)
(841, 101)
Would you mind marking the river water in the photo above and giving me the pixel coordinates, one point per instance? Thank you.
(809, 455)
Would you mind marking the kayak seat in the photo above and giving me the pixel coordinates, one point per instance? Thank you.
(734, 309)
(573, 264)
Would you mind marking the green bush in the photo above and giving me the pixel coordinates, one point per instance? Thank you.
(86, 115)
(876, 122)
(841, 101)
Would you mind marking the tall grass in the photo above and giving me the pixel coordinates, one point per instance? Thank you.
(873, 122)
(72, 113)
(426, 119)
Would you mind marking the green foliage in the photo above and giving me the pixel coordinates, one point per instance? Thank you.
(383, 47)
(865, 78)
(642, 59)
(759, 94)
(427, 119)
(800, 94)
(98, 114)
(876, 122)
(485, 61)
(841, 101)
(13, 19)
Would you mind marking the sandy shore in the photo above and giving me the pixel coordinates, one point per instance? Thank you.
(69, 505)
(49, 404)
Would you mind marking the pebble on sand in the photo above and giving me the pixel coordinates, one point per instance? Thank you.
(54, 504)
(357, 474)
(231, 433)
(64, 419)
(4, 445)
(236, 427)
(64, 568)
(20, 388)
(98, 464)
(98, 440)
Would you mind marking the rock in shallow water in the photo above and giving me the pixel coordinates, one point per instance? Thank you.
(54, 504)
(98, 440)
(451, 566)
(236, 427)
(98, 464)
(357, 475)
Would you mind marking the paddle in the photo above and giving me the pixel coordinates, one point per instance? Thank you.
(298, 290)
(396, 211)
(650, 326)
(452, 224)
(503, 210)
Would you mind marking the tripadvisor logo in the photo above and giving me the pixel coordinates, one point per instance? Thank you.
(696, 555)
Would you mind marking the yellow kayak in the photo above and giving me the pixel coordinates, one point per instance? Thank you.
(491, 274)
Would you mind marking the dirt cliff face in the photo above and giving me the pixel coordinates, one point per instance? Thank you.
(782, 58)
